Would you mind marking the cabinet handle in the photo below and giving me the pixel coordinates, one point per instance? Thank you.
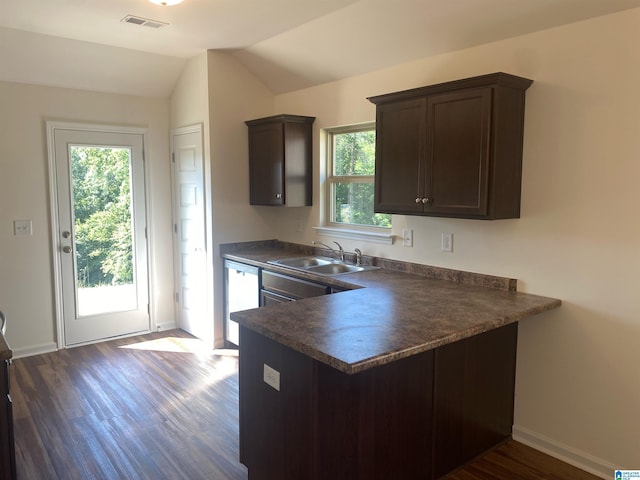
(426, 200)
(418, 200)
(278, 195)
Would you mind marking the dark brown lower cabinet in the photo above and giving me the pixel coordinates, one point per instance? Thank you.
(473, 396)
(7, 449)
(416, 418)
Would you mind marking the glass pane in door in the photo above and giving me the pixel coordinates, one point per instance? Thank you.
(103, 225)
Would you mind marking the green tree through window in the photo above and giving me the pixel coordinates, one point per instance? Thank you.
(352, 178)
(102, 215)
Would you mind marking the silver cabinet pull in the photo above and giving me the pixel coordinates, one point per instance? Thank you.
(426, 200)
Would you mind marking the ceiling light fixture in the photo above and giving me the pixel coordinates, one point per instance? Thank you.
(166, 3)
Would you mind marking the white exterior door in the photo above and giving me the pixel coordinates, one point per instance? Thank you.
(193, 295)
(99, 231)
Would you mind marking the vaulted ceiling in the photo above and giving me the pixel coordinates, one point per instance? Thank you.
(288, 44)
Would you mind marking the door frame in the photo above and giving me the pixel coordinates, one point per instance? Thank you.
(51, 127)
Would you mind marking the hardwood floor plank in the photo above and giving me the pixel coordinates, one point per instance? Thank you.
(104, 411)
(515, 461)
(158, 407)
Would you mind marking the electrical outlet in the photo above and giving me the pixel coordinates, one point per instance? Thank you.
(407, 237)
(22, 227)
(447, 242)
(271, 377)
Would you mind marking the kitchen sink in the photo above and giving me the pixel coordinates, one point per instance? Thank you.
(302, 262)
(320, 265)
(335, 269)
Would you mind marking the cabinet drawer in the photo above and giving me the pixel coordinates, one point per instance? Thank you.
(269, 298)
(292, 287)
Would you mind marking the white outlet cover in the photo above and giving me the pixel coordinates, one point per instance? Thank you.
(271, 377)
(447, 242)
(22, 227)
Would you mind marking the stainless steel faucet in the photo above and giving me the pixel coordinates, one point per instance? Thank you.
(340, 251)
(358, 257)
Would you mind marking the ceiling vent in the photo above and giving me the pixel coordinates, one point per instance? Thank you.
(143, 22)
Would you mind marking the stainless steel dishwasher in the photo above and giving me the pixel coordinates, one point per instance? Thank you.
(242, 292)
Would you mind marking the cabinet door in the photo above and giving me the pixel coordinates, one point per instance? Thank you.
(266, 164)
(298, 175)
(473, 396)
(458, 126)
(400, 149)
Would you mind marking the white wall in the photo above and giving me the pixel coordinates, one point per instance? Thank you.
(235, 96)
(26, 277)
(190, 106)
(217, 91)
(578, 378)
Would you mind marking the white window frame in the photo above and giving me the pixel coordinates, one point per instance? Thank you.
(344, 230)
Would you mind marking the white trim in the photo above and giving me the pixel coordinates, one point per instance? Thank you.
(385, 237)
(55, 244)
(195, 128)
(567, 454)
(34, 350)
(164, 326)
(330, 181)
(146, 171)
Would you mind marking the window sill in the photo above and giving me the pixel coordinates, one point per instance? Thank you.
(384, 236)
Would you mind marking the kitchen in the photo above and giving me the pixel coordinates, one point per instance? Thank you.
(577, 388)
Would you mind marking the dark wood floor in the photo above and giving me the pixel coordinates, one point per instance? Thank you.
(148, 408)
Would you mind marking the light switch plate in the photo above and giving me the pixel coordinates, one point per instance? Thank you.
(271, 377)
(407, 237)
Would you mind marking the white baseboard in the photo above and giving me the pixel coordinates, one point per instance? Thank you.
(35, 350)
(53, 347)
(161, 327)
(567, 454)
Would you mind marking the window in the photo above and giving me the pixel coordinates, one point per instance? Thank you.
(350, 179)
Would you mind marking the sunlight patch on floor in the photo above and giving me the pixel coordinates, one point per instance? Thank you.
(181, 345)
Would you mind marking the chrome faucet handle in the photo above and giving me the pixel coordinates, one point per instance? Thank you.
(340, 251)
(358, 257)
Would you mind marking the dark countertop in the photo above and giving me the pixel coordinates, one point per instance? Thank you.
(390, 314)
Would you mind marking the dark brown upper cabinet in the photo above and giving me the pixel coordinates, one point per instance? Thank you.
(452, 149)
(280, 160)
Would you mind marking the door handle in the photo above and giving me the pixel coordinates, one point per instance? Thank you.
(66, 234)
(66, 249)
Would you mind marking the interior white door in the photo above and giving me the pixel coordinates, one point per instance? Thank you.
(190, 245)
(100, 236)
